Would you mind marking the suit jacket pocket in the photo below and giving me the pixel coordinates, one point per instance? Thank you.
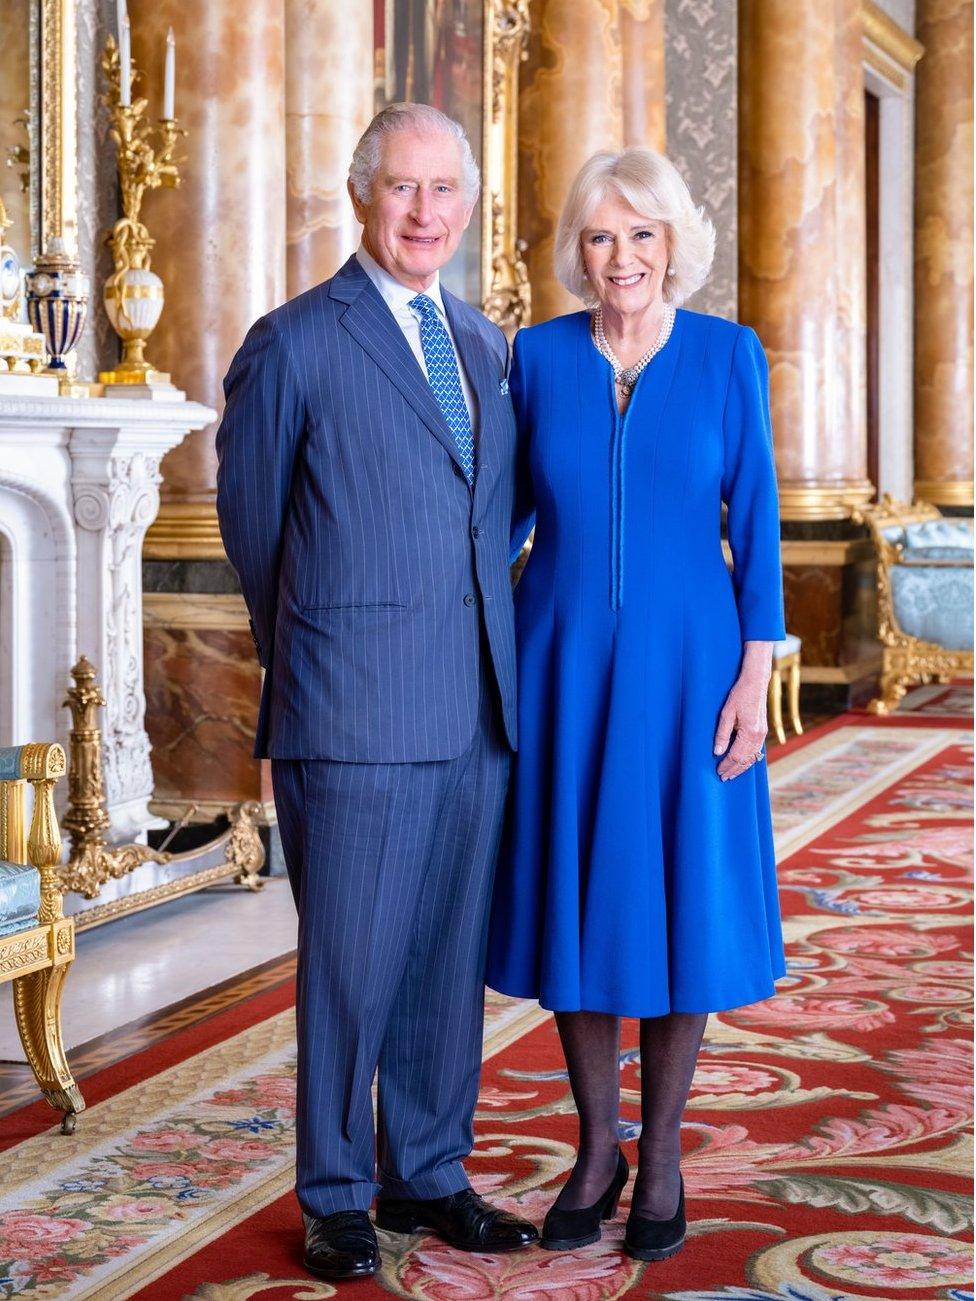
(355, 607)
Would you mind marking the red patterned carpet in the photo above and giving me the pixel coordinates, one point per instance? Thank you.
(827, 1145)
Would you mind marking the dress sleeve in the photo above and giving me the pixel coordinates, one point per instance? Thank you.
(523, 515)
(749, 491)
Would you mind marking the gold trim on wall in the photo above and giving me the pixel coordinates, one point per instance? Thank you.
(184, 531)
(891, 39)
(194, 611)
(822, 501)
(504, 276)
(884, 68)
(55, 111)
(945, 492)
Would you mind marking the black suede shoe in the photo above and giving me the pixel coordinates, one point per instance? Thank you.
(656, 1239)
(463, 1219)
(341, 1246)
(564, 1230)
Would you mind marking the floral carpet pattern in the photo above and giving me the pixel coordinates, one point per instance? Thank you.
(827, 1144)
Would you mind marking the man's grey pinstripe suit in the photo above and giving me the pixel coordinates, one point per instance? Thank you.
(378, 588)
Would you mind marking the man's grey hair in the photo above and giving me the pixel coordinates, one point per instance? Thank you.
(408, 117)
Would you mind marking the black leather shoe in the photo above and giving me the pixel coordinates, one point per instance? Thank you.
(656, 1239)
(341, 1246)
(564, 1230)
(463, 1219)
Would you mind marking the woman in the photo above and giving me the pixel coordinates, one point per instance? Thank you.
(637, 875)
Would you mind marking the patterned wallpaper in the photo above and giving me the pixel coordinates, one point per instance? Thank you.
(701, 38)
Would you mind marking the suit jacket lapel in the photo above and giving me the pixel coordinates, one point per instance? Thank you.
(372, 325)
(476, 360)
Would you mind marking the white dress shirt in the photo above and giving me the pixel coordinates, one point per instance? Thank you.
(397, 298)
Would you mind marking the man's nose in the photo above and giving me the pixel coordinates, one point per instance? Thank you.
(422, 210)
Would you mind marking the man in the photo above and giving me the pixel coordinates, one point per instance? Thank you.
(365, 498)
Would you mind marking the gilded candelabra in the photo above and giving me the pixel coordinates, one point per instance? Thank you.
(134, 293)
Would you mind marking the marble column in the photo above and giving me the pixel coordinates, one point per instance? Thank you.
(797, 79)
(328, 104)
(221, 235)
(642, 72)
(582, 89)
(850, 376)
(944, 254)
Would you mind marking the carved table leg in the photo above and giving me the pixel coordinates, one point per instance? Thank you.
(37, 1003)
(794, 694)
(776, 704)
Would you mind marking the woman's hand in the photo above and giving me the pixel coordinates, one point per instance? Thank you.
(744, 712)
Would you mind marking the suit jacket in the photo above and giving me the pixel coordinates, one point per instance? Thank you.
(372, 572)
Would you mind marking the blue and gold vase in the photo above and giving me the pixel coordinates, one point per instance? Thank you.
(57, 306)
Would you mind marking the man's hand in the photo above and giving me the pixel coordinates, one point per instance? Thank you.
(744, 713)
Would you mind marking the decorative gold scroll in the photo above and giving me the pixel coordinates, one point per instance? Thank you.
(504, 277)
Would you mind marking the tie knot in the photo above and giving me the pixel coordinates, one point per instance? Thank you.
(423, 305)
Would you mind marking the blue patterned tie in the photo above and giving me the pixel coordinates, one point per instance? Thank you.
(443, 377)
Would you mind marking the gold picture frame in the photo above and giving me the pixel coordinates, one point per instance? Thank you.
(463, 56)
(54, 130)
(505, 295)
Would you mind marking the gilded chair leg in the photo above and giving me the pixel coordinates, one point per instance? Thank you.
(776, 705)
(794, 693)
(37, 1004)
(891, 688)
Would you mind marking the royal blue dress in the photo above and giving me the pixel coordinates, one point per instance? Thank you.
(631, 879)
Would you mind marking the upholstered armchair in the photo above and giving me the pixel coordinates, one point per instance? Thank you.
(37, 941)
(925, 596)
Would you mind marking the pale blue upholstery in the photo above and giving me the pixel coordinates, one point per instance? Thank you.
(934, 603)
(10, 756)
(940, 533)
(788, 646)
(955, 533)
(20, 897)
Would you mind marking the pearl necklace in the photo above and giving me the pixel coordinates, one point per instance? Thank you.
(626, 376)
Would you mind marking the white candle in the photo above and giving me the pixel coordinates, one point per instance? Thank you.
(125, 64)
(121, 14)
(169, 80)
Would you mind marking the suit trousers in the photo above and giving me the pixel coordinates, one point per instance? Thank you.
(391, 867)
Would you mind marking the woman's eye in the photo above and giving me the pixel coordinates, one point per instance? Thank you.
(599, 239)
(644, 234)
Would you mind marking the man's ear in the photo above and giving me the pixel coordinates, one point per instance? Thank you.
(358, 207)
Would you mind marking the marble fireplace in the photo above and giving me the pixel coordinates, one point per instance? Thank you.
(79, 487)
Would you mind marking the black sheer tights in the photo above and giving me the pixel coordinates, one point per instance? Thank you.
(668, 1051)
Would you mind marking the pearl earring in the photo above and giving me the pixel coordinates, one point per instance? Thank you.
(670, 271)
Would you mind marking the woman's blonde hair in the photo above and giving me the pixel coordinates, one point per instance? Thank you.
(652, 186)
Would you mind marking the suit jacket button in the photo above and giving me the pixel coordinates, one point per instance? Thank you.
(475, 530)
(469, 598)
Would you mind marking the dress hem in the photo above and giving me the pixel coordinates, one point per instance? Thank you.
(599, 1005)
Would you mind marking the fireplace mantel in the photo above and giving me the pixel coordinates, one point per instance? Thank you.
(79, 487)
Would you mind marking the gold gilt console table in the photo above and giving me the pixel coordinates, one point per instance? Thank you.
(237, 854)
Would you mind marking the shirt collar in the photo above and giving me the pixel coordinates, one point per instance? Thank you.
(396, 296)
